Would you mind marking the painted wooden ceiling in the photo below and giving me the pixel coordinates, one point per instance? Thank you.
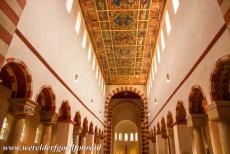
(123, 34)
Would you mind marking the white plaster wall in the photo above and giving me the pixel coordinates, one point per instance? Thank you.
(193, 27)
(50, 29)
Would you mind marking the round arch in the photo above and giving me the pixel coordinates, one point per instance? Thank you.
(16, 76)
(65, 111)
(197, 100)
(220, 79)
(46, 98)
(108, 117)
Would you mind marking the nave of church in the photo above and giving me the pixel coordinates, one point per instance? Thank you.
(115, 76)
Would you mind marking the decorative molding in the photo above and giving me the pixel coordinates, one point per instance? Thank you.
(48, 117)
(21, 107)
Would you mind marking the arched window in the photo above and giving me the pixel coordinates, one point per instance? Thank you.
(97, 72)
(84, 39)
(126, 137)
(167, 22)
(78, 22)
(175, 5)
(94, 62)
(68, 5)
(120, 136)
(89, 52)
(99, 81)
(158, 54)
(136, 137)
(115, 136)
(3, 131)
(131, 137)
(155, 64)
(162, 40)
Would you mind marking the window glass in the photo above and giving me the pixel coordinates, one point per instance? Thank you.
(78, 22)
(69, 4)
(167, 21)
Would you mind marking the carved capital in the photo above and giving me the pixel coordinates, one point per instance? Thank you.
(21, 107)
(48, 117)
(196, 120)
(77, 130)
(219, 110)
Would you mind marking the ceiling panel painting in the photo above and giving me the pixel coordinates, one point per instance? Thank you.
(123, 34)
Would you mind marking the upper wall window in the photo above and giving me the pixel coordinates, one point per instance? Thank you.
(3, 130)
(175, 5)
(84, 39)
(155, 64)
(68, 5)
(94, 62)
(152, 75)
(158, 54)
(131, 137)
(167, 21)
(97, 72)
(162, 40)
(99, 81)
(120, 136)
(89, 52)
(126, 137)
(78, 22)
(115, 136)
(136, 137)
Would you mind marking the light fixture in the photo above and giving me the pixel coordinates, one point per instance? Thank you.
(75, 78)
(155, 101)
(167, 78)
(137, 76)
(149, 114)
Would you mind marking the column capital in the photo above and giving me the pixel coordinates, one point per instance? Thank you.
(196, 120)
(21, 107)
(219, 110)
(48, 117)
(170, 132)
(77, 130)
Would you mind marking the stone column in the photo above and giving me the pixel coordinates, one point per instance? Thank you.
(21, 109)
(219, 111)
(182, 138)
(76, 136)
(101, 143)
(154, 147)
(48, 118)
(215, 139)
(4, 95)
(83, 142)
(90, 142)
(171, 140)
(196, 122)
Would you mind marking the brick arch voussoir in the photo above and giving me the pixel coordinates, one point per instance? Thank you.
(28, 77)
